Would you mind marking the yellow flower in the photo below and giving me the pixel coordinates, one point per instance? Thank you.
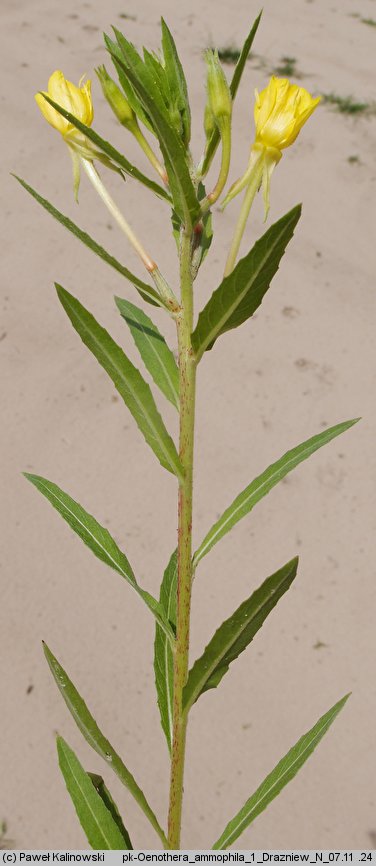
(281, 109)
(76, 100)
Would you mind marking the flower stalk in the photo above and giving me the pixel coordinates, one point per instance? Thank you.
(163, 288)
(111, 205)
(224, 169)
(254, 182)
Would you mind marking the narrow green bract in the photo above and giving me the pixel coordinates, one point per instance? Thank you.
(176, 80)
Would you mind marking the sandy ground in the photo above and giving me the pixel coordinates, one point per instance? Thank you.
(303, 364)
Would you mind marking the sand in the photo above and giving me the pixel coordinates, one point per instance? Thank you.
(304, 363)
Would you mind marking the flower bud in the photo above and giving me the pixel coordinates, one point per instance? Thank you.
(219, 97)
(209, 122)
(115, 98)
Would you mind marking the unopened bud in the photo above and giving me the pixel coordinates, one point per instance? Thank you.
(209, 122)
(115, 98)
(219, 96)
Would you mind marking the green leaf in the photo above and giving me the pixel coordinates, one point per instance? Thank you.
(163, 655)
(158, 72)
(110, 804)
(183, 192)
(127, 379)
(89, 729)
(96, 821)
(99, 540)
(177, 81)
(236, 633)
(242, 292)
(236, 78)
(147, 292)
(154, 351)
(278, 778)
(110, 151)
(258, 488)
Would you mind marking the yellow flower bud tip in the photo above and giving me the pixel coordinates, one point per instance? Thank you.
(76, 100)
(219, 97)
(281, 109)
(115, 98)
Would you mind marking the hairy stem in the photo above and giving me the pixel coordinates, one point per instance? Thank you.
(187, 371)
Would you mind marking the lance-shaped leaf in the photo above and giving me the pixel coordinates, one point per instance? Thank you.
(183, 192)
(235, 81)
(242, 292)
(99, 540)
(236, 633)
(96, 821)
(147, 292)
(163, 655)
(110, 151)
(89, 728)
(154, 351)
(110, 804)
(176, 80)
(278, 778)
(258, 488)
(127, 379)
